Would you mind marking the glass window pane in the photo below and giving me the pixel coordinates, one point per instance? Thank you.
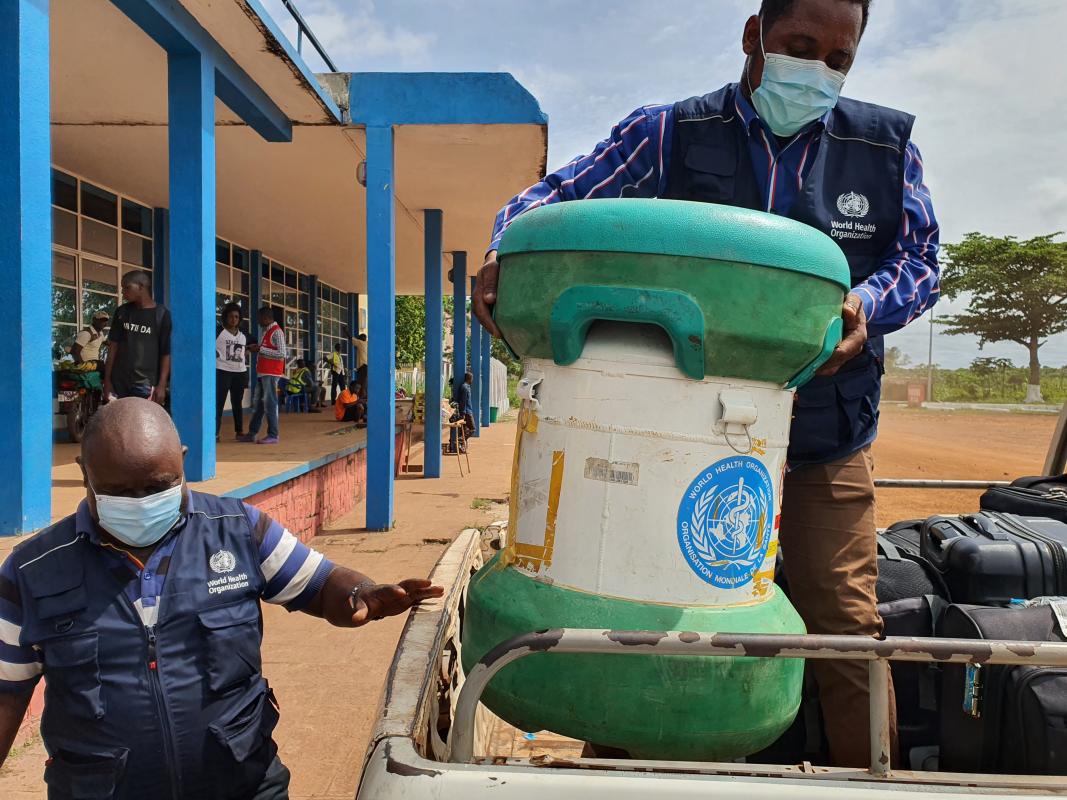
(136, 218)
(99, 204)
(222, 277)
(100, 277)
(290, 278)
(304, 301)
(220, 301)
(64, 190)
(62, 339)
(64, 304)
(136, 251)
(96, 301)
(277, 273)
(64, 228)
(290, 299)
(264, 290)
(241, 282)
(290, 320)
(303, 322)
(303, 282)
(277, 297)
(240, 258)
(264, 267)
(222, 251)
(63, 269)
(100, 239)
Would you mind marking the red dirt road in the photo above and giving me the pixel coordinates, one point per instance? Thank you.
(960, 445)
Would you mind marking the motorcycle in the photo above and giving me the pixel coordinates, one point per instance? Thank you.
(80, 392)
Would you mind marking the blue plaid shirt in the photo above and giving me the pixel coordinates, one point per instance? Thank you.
(634, 162)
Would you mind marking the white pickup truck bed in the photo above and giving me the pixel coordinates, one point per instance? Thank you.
(411, 750)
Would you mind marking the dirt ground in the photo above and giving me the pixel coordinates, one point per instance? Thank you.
(960, 445)
(329, 681)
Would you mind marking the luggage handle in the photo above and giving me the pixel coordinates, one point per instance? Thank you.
(988, 527)
(939, 534)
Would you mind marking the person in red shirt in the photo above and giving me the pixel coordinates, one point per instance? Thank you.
(270, 367)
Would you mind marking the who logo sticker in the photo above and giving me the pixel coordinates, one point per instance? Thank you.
(725, 521)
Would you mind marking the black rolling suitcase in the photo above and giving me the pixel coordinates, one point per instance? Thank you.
(1039, 496)
(1003, 719)
(993, 558)
(917, 685)
(903, 572)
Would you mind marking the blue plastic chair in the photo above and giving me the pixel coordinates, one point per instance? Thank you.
(298, 402)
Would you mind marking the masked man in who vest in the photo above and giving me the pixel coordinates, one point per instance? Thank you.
(142, 611)
(783, 141)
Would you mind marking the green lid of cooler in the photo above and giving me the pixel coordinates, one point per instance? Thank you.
(742, 294)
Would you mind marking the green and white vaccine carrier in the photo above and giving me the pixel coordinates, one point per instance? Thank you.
(661, 343)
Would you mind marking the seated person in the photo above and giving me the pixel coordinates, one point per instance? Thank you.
(349, 407)
(302, 382)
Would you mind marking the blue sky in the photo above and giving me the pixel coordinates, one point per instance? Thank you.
(984, 77)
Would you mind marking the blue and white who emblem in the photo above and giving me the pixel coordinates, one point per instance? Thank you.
(725, 521)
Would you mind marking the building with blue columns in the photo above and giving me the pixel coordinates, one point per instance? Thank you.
(191, 139)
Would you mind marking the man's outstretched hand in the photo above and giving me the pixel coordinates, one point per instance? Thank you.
(853, 338)
(484, 297)
(389, 599)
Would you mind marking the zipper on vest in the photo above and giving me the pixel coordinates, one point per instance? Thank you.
(164, 717)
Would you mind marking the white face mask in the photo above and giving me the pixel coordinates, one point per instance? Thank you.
(139, 521)
(794, 92)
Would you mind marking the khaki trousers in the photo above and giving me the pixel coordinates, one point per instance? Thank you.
(828, 543)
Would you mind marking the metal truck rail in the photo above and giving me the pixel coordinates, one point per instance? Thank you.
(878, 652)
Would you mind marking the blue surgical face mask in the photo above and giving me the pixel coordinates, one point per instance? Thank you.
(139, 521)
(794, 92)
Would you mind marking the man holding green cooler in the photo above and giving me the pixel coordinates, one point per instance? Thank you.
(783, 141)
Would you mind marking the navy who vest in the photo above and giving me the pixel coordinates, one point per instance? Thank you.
(859, 168)
(178, 711)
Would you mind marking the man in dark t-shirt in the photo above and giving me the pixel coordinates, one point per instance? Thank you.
(138, 364)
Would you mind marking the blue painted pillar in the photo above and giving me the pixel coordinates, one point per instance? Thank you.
(487, 341)
(255, 300)
(191, 139)
(353, 330)
(476, 369)
(432, 289)
(459, 319)
(381, 336)
(313, 317)
(25, 267)
(160, 255)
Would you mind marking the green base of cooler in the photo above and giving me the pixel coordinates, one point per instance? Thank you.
(656, 707)
(494, 412)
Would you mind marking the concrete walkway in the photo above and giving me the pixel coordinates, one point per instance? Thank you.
(328, 680)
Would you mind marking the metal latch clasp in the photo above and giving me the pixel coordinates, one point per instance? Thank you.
(738, 414)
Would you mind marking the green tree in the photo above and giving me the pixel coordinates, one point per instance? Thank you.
(896, 359)
(1017, 293)
(410, 329)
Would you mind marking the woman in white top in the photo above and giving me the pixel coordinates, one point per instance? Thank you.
(231, 371)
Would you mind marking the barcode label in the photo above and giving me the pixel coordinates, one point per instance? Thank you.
(600, 469)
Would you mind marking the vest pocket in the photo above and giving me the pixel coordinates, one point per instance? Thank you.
(855, 390)
(84, 776)
(72, 674)
(233, 639)
(814, 431)
(710, 172)
(244, 730)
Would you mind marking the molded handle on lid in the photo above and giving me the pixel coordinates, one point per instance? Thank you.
(830, 340)
(578, 307)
